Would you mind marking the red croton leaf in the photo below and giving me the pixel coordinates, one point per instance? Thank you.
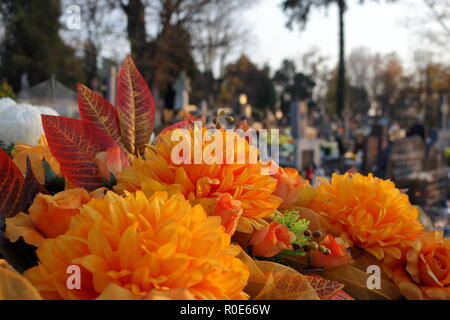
(31, 188)
(75, 143)
(95, 108)
(352, 170)
(188, 116)
(243, 125)
(188, 122)
(340, 295)
(185, 124)
(324, 287)
(136, 108)
(11, 186)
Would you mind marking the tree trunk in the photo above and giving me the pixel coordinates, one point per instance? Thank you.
(341, 71)
(135, 12)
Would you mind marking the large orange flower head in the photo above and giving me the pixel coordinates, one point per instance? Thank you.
(230, 169)
(372, 212)
(139, 247)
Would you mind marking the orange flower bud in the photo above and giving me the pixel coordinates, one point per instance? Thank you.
(49, 216)
(36, 154)
(338, 254)
(111, 161)
(230, 210)
(271, 240)
(289, 184)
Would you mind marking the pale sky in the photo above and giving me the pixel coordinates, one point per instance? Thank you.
(381, 27)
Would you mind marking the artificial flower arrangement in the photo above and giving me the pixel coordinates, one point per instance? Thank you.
(95, 195)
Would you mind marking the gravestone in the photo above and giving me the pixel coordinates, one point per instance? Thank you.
(371, 154)
(444, 112)
(443, 139)
(298, 119)
(112, 84)
(435, 165)
(204, 109)
(406, 158)
(307, 149)
(423, 173)
(182, 87)
(374, 145)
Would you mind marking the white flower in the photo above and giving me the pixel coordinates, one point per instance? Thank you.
(5, 103)
(21, 122)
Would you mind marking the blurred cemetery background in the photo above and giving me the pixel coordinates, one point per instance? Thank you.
(384, 112)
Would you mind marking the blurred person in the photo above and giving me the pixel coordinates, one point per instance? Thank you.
(309, 172)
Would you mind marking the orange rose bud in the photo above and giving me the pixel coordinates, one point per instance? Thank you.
(111, 161)
(230, 210)
(337, 254)
(51, 214)
(36, 154)
(289, 184)
(271, 240)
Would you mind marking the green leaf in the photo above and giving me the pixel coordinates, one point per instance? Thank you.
(53, 183)
(293, 253)
(298, 226)
(7, 148)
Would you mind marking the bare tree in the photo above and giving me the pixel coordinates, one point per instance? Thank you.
(2, 29)
(166, 35)
(430, 20)
(160, 15)
(440, 9)
(218, 33)
(359, 67)
(298, 11)
(314, 64)
(100, 34)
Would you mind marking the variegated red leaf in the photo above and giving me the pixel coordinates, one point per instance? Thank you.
(95, 108)
(136, 108)
(11, 186)
(352, 171)
(324, 287)
(185, 124)
(75, 143)
(340, 295)
(243, 125)
(31, 188)
(188, 116)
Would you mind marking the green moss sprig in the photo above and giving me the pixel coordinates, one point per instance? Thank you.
(298, 226)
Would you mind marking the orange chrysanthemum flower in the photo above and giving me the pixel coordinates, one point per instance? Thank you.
(139, 247)
(205, 182)
(372, 213)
